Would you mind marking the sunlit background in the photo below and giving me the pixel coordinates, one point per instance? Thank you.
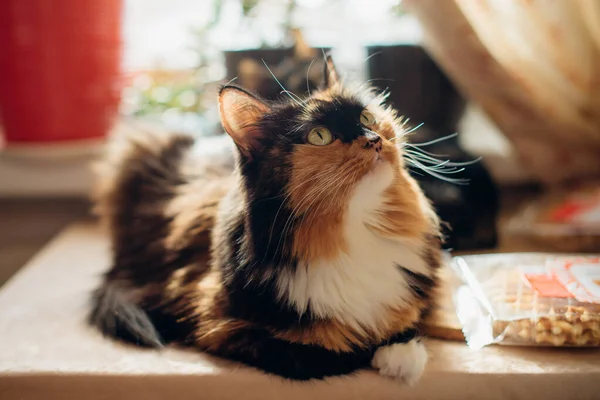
(510, 83)
(174, 51)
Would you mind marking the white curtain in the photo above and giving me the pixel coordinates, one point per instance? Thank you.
(533, 66)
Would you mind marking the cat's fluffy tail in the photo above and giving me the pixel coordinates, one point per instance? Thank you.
(137, 178)
(138, 174)
(122, 319)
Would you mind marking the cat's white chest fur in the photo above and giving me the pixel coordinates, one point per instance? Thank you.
(358, 287)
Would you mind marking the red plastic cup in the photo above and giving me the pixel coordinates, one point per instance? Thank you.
(59, 69)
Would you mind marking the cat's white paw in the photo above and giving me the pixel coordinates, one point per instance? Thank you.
(405, 361)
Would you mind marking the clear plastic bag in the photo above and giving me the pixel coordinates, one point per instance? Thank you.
(530, 299)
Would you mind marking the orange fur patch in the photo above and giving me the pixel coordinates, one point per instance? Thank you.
(406, 212)
(318, 191)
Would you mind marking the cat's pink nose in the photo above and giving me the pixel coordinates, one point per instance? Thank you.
(374, 142)
(378, 146)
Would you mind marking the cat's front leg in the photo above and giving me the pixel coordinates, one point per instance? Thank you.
(401, 358)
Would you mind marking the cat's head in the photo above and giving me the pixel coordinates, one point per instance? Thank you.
(311, 161)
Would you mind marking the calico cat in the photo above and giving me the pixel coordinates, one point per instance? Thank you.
(316, 256)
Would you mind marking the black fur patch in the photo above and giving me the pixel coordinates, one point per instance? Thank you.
(421, 285)
(251, 285)
(292, 360)
(303, 362)
(122, 319)
(402, 337)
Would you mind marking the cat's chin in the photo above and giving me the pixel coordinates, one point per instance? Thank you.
(378, 159)
(380, 165)
(377, 179)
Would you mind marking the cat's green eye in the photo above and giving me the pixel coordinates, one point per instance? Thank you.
(366, 118)
(320, 136)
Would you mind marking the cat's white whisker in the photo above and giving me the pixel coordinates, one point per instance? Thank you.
(437, 174)
(430, 159)
(420, 150)
(307, 80)
(371, 56)
(452, 135)
(290, 93)
(415, 128)
(280, 85)
(231, 81)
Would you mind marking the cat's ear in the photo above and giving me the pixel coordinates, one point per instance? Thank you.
(240, 113)
(330, 74)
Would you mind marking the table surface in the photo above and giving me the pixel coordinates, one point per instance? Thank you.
(26, 225)
(47, 348)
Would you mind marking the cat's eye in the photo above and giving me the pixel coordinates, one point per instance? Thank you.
(366, 118)
(320, 136)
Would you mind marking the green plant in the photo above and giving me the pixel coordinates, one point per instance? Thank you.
(164, 91)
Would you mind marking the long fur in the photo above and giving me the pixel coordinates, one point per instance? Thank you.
(301, 260)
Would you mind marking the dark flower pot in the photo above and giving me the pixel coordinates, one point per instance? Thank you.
(258, 79)
(290, 68)
(272, 57)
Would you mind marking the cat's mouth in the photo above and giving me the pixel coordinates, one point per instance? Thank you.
(377, 163)
(378, 159)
